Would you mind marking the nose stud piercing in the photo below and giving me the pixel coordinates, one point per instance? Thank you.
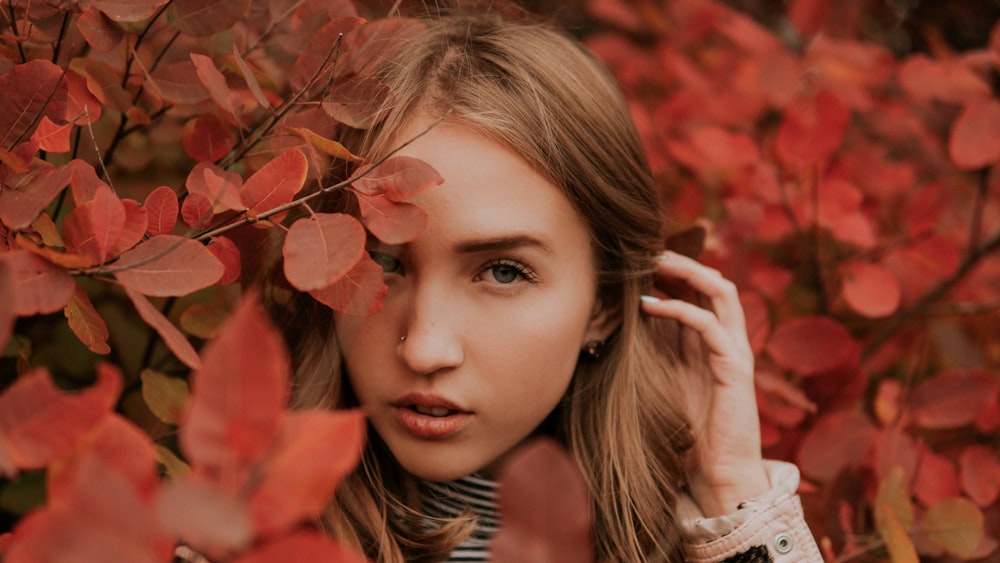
(402, 338)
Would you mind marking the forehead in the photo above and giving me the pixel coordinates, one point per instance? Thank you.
(488, 189)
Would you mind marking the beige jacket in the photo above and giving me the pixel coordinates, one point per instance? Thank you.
(770, 527)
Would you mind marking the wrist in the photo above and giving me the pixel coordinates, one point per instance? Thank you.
(722, 495)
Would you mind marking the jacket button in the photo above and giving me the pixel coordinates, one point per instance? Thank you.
(783, 543)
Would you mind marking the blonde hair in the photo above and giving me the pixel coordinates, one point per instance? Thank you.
(539, 93)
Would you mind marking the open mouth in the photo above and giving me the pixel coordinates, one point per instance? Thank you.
(436, 411)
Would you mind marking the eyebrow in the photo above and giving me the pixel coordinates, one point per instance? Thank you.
(500, 243)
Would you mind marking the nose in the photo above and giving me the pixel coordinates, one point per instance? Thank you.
(432, 337)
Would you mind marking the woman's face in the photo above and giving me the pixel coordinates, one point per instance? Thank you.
(495, 300)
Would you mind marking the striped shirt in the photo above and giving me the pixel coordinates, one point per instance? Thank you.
(452, 499)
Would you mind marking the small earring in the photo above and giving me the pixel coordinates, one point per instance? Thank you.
(594, 349)
(402, 338)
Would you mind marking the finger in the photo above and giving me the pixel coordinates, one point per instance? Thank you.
(705, 323)
(721, 293)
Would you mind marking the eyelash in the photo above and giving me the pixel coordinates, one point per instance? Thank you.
(522, 271)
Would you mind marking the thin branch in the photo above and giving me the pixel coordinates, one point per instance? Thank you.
(308, 197)
(976, 227)
(14, 32)
(935, 293)
(62, 35)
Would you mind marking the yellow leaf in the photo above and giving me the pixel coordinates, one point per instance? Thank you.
(893, 495)
(165, 396)
(956, 524)
(900, 546)
(176, 468)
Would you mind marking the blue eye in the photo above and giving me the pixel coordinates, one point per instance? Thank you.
(389, 264)
(506, 272)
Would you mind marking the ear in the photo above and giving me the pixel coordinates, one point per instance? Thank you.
(604, 320)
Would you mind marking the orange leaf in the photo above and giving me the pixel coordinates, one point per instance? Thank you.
(811, 345)
(162, 208)
(871, 289)
(94, 227)
(545, 506)
(315, 450)
(399, 178)
(86, 323)
(203, 516)
(320, 250)
(359, 292)
(302, 545)
(276, 183)
(207, 139)
(391, 222)
(173, 338)
(39, 423)
(238, 395)
(955, 524)
(168, 265)
(980, 474)
(974, 142)
(328, 146)
(229, 256)
(52, 137)
(39, 287)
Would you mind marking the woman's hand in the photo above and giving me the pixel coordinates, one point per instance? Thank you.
(727, 467)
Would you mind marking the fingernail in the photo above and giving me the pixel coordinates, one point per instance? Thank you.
(665, 256)
(650, 299)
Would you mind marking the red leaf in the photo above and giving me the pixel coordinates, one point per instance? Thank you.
(215, 82)
(197, 211)
(321, 45)
(220, 187)
(51, 137)
(84, 182)
(98, 30)
(838, 440)
(168, 265)
(276, 183)
(871, 289)
(302, 545)
(39, 287)
(204, 517)
(250, 78)
(86, 323)
(93, 228)
(391, 222)
(136, 221)
(315, 450)
(105, 83)
(172, 337)
(120, 445)
(952, 399)
(82, 107)
(22, 200)
(811, 345)
(161, 210)
(980, 474)
(545, 506)
(399, 178)
(812, 129)
(936, 478)
(179, 83)
(758, 319)
(711, 150)
(359, 292)
(229, 255)
(28, 91)
(974, 141)
(320, 250)
(356, 100)
(946, 80)
(128, 10)
(375, 41)
(7, 287)
(238, 396)
(207, 138)
(101, 505)
(39, 423)
(206, 17)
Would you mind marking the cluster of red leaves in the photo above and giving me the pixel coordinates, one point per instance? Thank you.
(258, 473)
(855, 197)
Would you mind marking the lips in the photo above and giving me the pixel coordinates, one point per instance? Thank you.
(429, 416)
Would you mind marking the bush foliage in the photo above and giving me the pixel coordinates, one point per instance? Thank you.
(150, 150)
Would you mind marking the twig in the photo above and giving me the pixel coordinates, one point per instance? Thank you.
(62, 34)
(308, 197)
(14, 32)
(943, 287)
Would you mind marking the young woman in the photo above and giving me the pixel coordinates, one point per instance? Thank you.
(538, 302)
